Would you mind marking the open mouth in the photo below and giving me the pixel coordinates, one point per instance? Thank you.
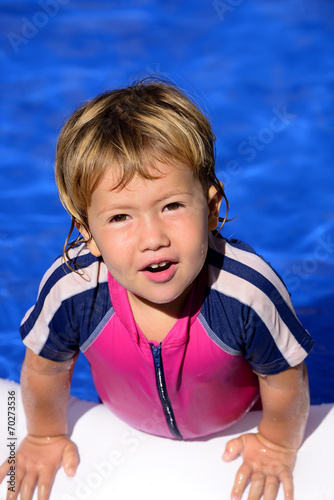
(158, 268)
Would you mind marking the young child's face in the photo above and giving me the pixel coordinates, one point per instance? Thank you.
(153, 233)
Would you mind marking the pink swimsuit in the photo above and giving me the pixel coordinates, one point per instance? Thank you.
(199, 380)
(188, 387)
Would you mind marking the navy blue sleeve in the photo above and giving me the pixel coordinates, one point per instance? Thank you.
(253, 314)
(69, 306)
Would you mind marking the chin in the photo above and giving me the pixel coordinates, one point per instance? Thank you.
(170, 298)
(159, 301)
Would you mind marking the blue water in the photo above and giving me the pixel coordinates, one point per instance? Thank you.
(264, 70)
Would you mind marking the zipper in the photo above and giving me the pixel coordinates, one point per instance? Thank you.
(162, 390)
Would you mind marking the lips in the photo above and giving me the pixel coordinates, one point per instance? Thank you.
(160, 271)
(159, 267)
(157, 264)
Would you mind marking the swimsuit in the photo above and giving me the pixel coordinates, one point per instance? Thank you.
(199, 380)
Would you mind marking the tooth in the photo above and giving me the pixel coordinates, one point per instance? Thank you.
(154, 266)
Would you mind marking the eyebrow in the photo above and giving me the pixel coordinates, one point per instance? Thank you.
(174, 193)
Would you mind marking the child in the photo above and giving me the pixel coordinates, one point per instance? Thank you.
(181, 327)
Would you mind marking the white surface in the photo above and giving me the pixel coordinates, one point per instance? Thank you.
(121, 463)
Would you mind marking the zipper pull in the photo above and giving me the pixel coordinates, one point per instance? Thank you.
(156, 350)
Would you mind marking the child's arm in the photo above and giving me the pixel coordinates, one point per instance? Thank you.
(45, 388)
(269, 456)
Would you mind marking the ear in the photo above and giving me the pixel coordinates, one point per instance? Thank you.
(214, 202)
(90, 242)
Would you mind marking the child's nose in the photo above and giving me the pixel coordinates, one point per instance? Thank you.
(152, 235)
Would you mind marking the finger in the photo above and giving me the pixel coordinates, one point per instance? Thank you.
(28, 487)
(271, 488)
(241, 481)
(287, 482)
(4, 468)
(45, 483)
(233, 449)
(257, 486)
(14, 489)
(70, 459)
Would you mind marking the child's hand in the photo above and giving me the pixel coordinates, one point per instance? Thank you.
(265, 466)
(37, 461)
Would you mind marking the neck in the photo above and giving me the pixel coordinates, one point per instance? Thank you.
(171, 309)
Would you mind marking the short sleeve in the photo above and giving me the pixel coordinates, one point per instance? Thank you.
(273, 340)
(266, 330)
(68, 305)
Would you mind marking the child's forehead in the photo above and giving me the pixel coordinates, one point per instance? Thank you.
(117, 177)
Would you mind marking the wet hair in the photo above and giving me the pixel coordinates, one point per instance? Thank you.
(132, 128)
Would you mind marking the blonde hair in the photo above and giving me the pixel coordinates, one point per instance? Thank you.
(133, 126)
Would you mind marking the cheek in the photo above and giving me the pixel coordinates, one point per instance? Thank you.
(203, 239)
(195, 236)
(128, 238)
(118, 250)
(119, 239)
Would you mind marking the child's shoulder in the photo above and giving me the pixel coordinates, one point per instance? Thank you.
(236, 269)
(225, 252)
(250, 310)
(63, 283)
(80, 271)
(71, 301)
(231, 248)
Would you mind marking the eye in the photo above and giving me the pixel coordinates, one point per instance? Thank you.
(173, 206)
(118, 218)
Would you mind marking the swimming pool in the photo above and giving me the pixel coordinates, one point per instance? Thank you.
(263, 71)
